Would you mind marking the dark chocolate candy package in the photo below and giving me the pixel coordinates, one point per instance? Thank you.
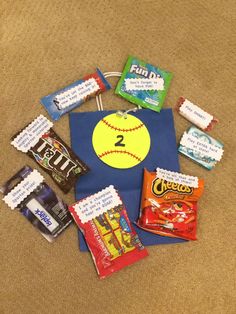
(39, 141)
(27, 192)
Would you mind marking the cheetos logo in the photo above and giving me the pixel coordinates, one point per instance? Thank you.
(160, 187)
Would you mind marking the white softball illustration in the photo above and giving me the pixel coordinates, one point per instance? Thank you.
(121, 141)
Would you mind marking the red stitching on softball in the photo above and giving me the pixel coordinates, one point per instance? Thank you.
(121, 130)
(119, 151)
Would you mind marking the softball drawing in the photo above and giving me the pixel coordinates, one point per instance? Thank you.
(121, 141)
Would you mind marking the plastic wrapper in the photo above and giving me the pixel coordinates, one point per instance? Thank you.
(195, 114)
(201, 148)
(39, 141)
(110, 237)
(64, 100)
(27, 192)
(169, 208)
(143, 84)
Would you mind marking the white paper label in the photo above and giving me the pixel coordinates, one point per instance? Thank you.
(144, 84)
(77, 93)
(177, 177)
(23, 189)
(97, 204)
(38, 211)
(31, 134)
(195, 114)
(201, 146)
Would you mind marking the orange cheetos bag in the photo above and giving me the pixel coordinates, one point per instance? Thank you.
(169, 204)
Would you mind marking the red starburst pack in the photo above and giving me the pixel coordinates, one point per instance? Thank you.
(169, 204)
(111, 239)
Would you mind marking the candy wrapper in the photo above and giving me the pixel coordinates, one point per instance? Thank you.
(143, 84)
(40, 142)
(201, 148)
(169, 204)
(72, 96)
(111, 239)
(27, 192)
(195, 114)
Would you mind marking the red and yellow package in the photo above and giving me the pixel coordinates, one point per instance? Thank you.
(110, 237)
(169, 204)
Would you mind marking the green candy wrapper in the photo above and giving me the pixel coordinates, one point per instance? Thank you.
(143, 84)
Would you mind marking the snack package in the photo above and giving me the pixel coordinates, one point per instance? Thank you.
(27, 192)
(169, 204)
(72, 96)
(112, 241)
(195, 114)
(201, 148)
(143, 84)
(41, 143)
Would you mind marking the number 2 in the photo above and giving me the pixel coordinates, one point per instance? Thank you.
(120, 140)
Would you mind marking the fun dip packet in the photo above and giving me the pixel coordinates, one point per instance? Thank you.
(169, 204)
(27, 192)
(143, 84)
(39, 141)
(201, 148)
(111, 239)
(72, 96)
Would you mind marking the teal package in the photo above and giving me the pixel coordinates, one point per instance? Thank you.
(207, 162)
(143, 84)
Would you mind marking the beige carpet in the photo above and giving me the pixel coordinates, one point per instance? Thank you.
(48, 44)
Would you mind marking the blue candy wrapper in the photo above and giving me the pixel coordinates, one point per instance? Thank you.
(72, 96)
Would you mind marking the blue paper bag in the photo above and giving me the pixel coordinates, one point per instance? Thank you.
(163, 153)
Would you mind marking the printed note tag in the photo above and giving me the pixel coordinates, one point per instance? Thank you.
(195, 114)
(177, 177)
(76, 94)
(23, 189)
(144, 84)
(29, 136)
(97, 204)
(202, 147)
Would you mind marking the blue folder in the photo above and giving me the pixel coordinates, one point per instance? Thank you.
(163, 153)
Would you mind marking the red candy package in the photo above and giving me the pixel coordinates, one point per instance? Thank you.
(195, 114)
(169, 204)
(111, 239)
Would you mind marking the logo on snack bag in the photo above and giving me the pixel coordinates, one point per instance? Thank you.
(55, 158)
(160, 187)
(140, 70)
(43, 217)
